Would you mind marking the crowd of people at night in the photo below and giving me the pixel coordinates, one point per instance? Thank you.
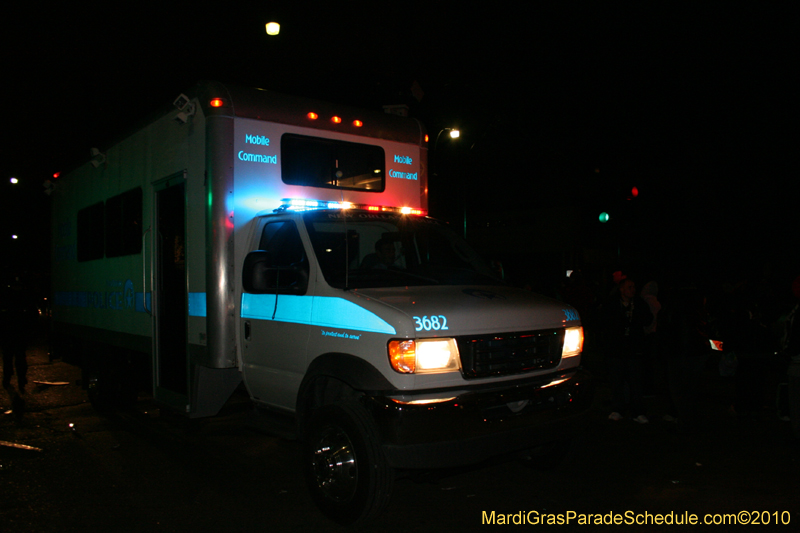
(652, 342)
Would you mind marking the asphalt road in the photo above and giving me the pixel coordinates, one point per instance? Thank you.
(149, 470)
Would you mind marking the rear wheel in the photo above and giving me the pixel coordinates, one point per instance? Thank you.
(346, 471)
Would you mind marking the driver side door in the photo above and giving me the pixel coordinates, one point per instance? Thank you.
(275, 318)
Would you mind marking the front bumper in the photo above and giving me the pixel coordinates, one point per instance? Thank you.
(482, 423)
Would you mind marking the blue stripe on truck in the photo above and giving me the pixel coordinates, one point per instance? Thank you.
(323, 311)
(197, 304)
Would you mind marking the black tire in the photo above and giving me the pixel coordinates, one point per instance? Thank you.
(345, 469)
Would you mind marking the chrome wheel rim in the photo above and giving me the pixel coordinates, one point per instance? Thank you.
(334, 465)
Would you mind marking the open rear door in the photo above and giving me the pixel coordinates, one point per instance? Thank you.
(170, 297)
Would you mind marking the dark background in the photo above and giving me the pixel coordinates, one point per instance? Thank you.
(563, 108)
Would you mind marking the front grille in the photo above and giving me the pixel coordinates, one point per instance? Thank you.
(509, 353)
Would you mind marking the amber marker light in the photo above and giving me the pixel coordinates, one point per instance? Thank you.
(402, 356)
(336, 120)
(357, 123)
(312, 116)
(216, 102)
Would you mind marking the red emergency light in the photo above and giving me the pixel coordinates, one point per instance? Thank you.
(304, 204)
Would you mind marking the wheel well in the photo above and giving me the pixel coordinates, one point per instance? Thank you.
(317, 392)
(334, 377)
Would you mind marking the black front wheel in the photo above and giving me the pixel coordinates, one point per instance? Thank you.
(345, 468)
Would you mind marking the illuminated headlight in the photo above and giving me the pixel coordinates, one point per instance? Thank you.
(424, 356)
(573, 342)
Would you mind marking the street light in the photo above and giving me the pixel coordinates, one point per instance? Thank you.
(453, 132)
(14, 181)
(273, 28)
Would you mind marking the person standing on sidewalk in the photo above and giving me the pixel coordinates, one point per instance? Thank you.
(15, 329)
(624, 319)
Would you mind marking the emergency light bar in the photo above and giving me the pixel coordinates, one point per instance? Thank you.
(303, 204)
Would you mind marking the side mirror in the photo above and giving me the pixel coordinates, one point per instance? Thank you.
(260, 275)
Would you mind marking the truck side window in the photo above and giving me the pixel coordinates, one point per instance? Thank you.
(282, 240)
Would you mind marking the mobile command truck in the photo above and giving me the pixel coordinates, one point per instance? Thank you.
(249, 237)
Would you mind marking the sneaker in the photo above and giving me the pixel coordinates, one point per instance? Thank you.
(615, 416)
(641, 419)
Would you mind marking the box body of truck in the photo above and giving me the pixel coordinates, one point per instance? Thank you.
(247, 236)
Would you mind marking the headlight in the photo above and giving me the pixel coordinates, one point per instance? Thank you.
(573, 342)
(424, 356)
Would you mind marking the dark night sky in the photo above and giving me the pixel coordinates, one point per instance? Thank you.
(695, 105)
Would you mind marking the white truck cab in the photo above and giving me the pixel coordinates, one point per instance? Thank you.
(283, 243)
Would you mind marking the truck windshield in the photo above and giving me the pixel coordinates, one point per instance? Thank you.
(358, 249)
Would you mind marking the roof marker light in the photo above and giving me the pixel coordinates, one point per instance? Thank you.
(312, 115)
(216, 102)
(336, 120)
(357, 123)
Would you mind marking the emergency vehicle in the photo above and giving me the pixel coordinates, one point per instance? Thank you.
(248, 237)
